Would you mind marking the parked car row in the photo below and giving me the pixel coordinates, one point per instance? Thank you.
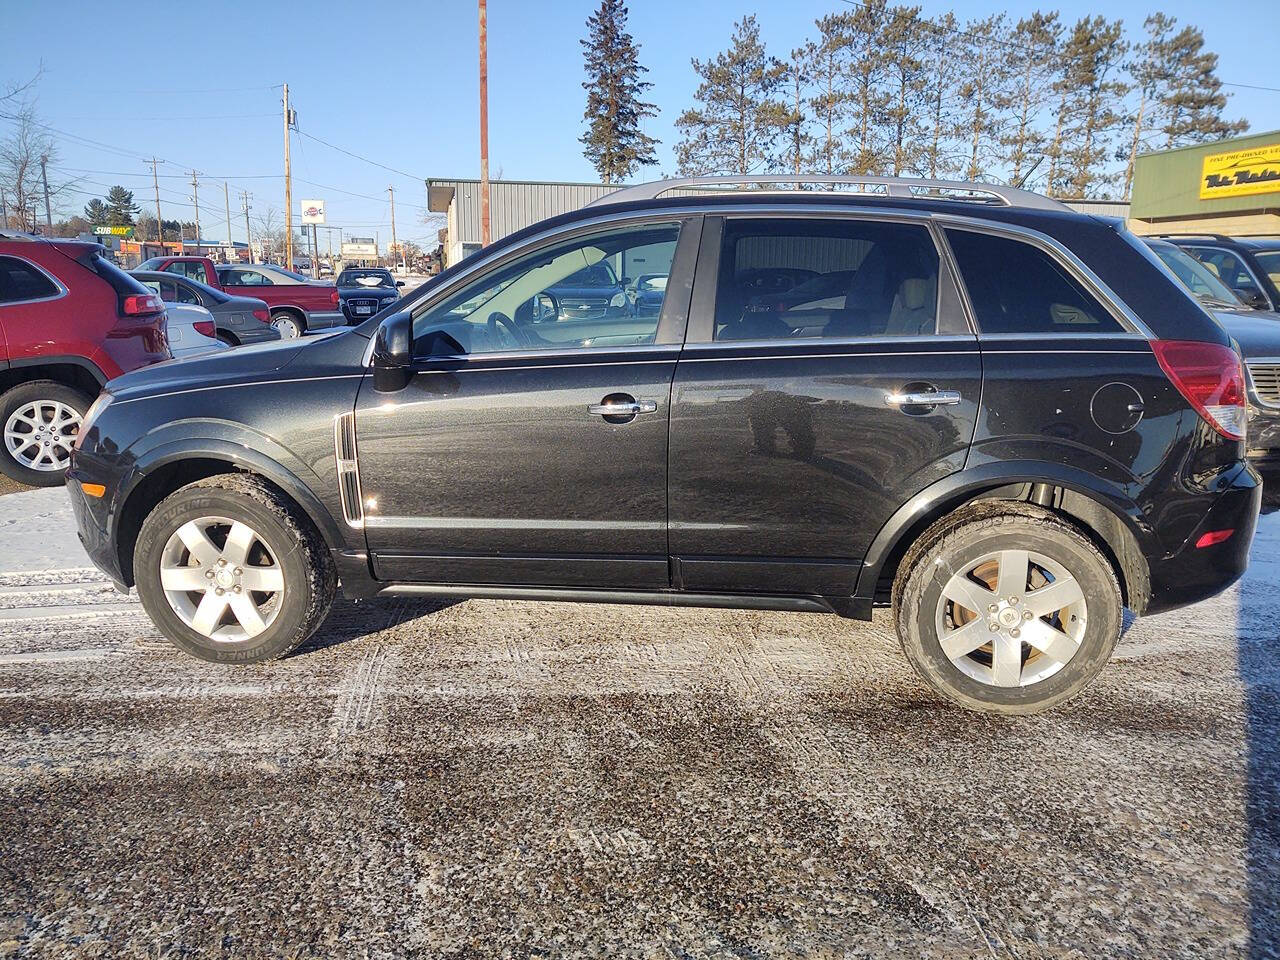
(1006, 420)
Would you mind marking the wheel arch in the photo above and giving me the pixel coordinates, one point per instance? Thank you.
(76, 372)
(170, 467)
(1102, 512)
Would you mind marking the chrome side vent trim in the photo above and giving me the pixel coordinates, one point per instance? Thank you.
(344, 446)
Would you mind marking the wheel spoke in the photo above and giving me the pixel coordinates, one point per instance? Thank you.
(1050, 641)
(965, 639)
(185, 579)
(1051, 598)
(1012, 579)
(208, 613)
(1006, 666)
(198, 542)
(246, 611)
(239, 540)
(960, 589)
(263, 579)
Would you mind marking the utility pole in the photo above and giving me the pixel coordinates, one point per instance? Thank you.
(4, 212)
(288, 187)
(44, 175)
(484, 124)
(394, 246)
(226, 198)
(195, 198)
(248, 239)
(155, 180)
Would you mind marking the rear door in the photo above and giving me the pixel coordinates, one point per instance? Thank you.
(800, 424)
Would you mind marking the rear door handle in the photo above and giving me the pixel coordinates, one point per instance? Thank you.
(924, 398)
(620, 409)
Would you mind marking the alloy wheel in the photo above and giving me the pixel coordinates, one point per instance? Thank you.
(1012, 618)
(39, 435)
(222, 579)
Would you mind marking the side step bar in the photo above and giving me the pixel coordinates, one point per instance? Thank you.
(799, 604)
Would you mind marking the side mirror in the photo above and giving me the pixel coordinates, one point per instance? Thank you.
(546, 308)
(399, 283)
(393, 353)
(1255, 298)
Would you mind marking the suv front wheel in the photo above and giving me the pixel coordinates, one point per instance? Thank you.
(231, 571)
(1007, 608)
(40, 421)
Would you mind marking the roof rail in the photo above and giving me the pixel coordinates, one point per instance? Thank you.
(894, 188)
(1194, 236)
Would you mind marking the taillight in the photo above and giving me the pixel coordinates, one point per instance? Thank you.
(333, 297)
(1211, 377)
(262, 315)
(141, 304)
(205, 327)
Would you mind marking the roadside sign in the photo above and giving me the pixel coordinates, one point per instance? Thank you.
(113, 231)
(1241, 172)
(313, 211)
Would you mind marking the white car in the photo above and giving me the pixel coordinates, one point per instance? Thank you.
(191, 330)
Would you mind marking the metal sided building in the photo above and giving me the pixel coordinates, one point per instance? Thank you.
(1231, 187)
(515, 204)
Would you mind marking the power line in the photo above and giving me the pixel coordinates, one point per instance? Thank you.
(357, 156)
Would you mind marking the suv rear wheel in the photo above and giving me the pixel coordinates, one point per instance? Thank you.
(1006, 608)
(230, 570)
(40, 421)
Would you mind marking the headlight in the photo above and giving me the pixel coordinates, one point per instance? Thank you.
(619, 300)
(92, 414)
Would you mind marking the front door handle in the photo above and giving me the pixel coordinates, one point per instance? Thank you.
(923, 398)
(619, 408)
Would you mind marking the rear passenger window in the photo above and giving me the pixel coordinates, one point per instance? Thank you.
(793, 279)
(20, 281)
(1018, 288)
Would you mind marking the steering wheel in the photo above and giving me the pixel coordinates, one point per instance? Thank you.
(513, 330)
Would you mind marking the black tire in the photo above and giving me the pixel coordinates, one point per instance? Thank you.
(957, 542)
(228, 338)
(309, 576)
(20, 396)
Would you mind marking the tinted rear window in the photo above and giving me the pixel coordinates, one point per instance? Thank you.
(1018, 288)
(19, 281)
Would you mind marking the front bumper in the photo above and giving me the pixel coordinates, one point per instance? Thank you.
(1192, 573)
(93, 527)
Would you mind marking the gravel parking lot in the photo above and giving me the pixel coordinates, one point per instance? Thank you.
(514, 779)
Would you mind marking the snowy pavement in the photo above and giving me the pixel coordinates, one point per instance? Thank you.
(501, 778)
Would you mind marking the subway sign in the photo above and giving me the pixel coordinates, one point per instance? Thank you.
(113, 231)
(1241, 172)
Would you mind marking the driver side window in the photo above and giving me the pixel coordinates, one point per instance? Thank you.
(601, 290)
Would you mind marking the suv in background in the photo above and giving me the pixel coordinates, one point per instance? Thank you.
(1250, 266)
(1011, 424)
(365, 291)
(70, 320)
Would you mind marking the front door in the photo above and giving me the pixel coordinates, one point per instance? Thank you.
(830, 375)
(530, 445)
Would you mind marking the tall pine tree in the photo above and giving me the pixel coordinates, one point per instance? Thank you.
(615, 142)
(906, 40)
(120, 207)
(1034, 62)
(984, 71)
(739, 119)
(1192, 102)
(1092, 89)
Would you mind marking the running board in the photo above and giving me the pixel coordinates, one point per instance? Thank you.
(798, 604)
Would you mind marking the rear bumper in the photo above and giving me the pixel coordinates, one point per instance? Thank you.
(1195, 573)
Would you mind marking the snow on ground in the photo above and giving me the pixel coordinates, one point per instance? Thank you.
(427, 779)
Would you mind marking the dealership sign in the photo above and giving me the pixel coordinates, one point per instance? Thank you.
(1241, 172)
(313, 211)
(113, 231)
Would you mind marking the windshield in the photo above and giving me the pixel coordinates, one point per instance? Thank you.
(289, 273)
(1270, 263)
(348, 278)
(1197, 278)
(152, 264)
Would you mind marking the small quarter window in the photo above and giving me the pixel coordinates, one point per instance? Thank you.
(1018, 288)
(21, 281)
(786, 279)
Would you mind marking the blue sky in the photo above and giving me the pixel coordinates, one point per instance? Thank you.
(197, 85)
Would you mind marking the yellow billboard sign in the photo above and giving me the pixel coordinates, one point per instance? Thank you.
(1241, 172)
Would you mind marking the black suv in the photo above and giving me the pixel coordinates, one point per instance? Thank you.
(1250, 266)
(1011, 423)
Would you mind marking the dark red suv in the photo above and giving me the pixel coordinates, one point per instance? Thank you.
(70, 320)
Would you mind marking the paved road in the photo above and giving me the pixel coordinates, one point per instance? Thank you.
(503, 778)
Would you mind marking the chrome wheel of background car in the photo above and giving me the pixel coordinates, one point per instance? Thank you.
(1011, 619)
(288, 327)
(39, 434)
(221, 578)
